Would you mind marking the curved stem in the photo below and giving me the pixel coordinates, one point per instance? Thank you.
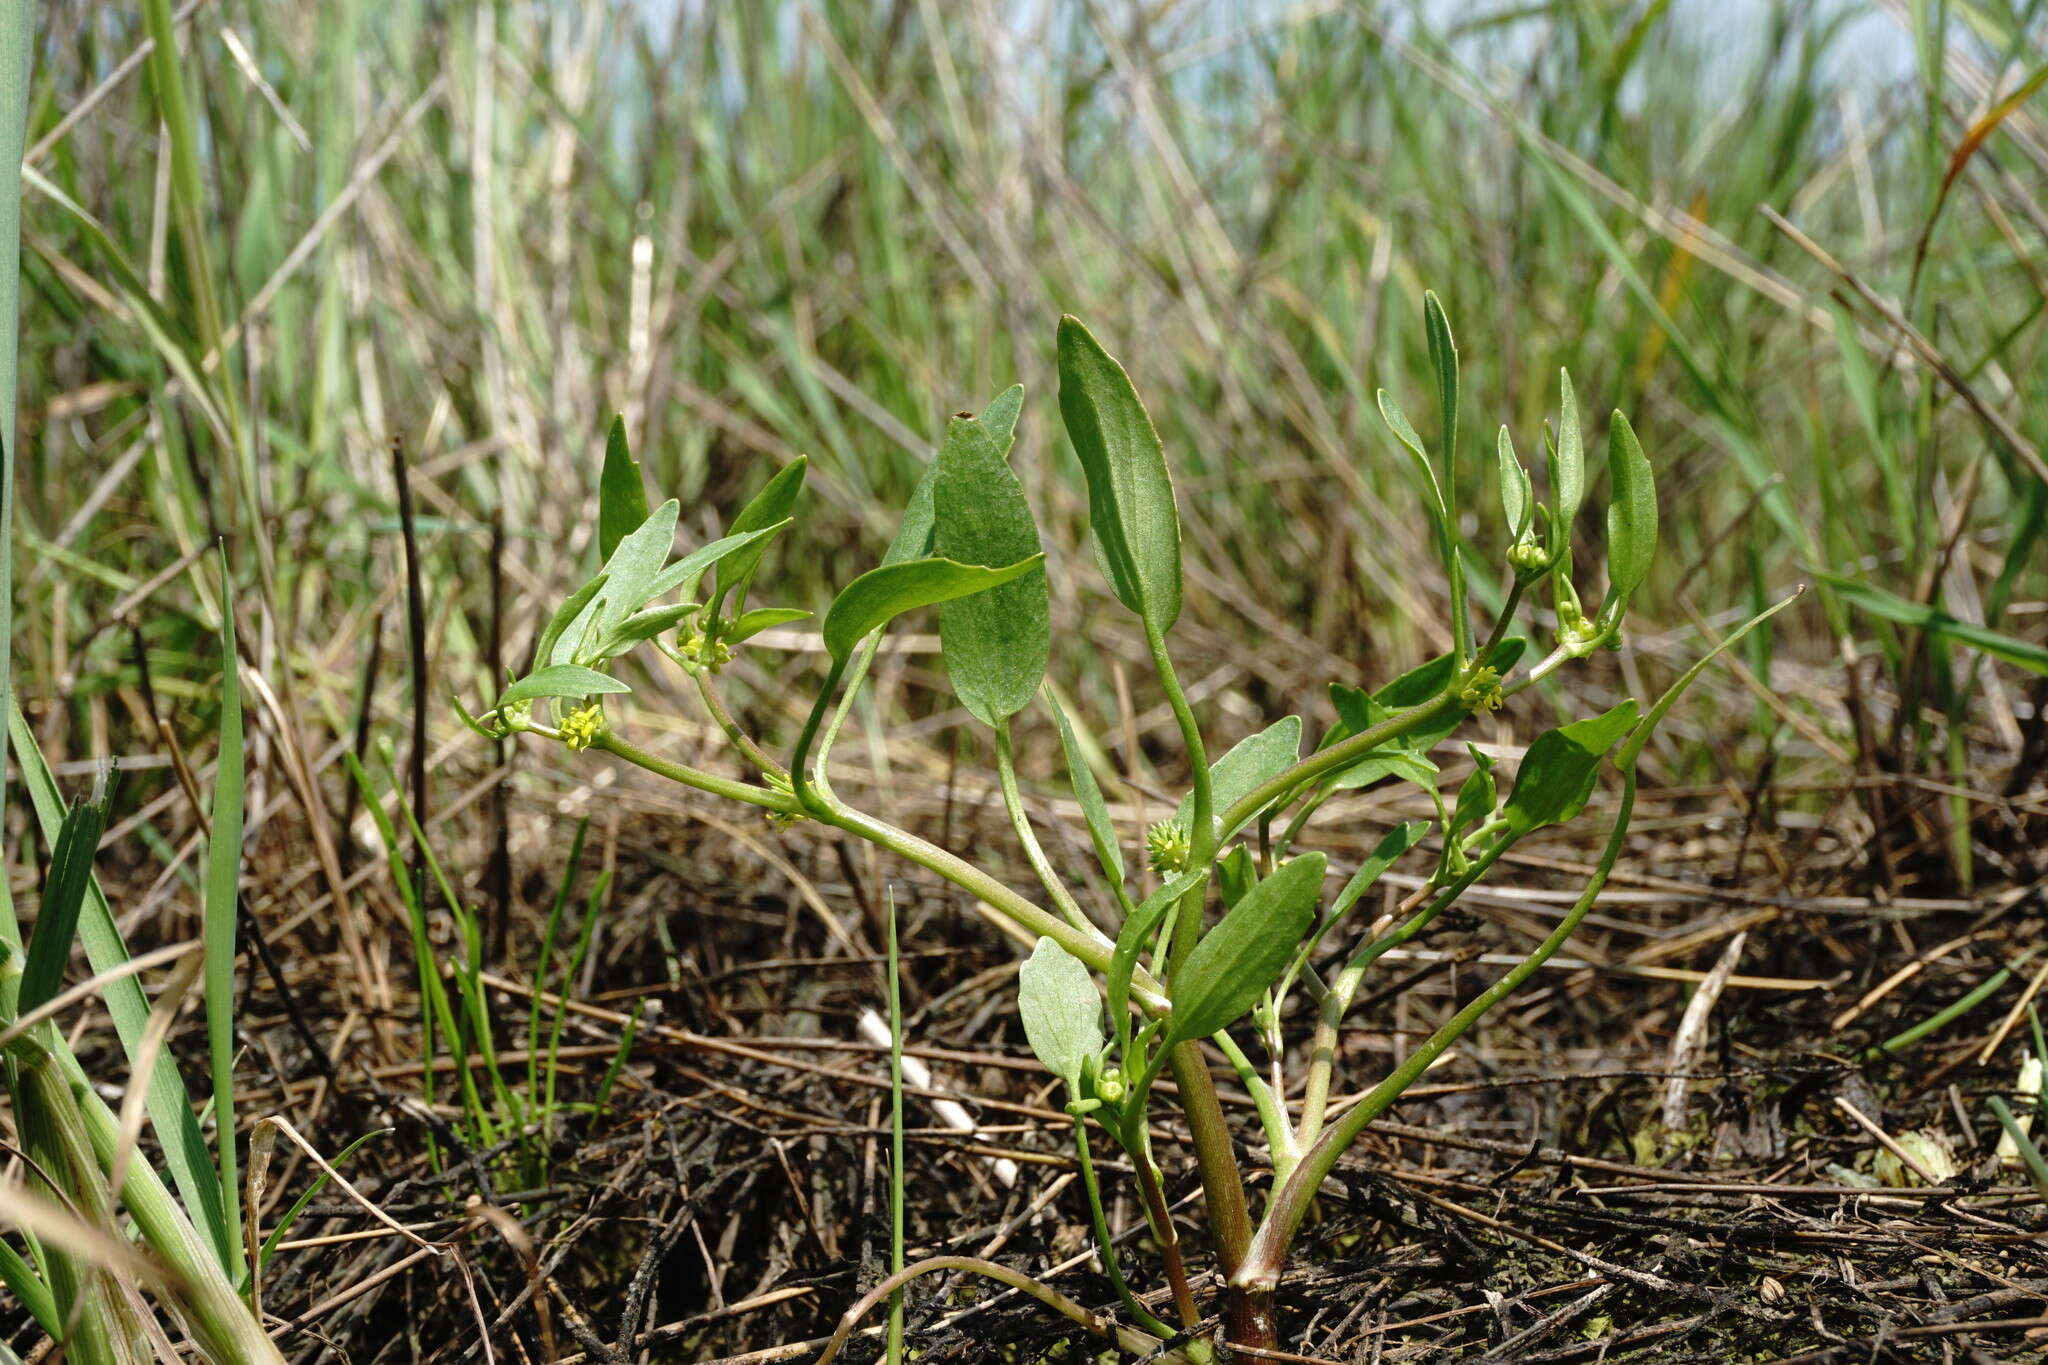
(1268, 1254)
(806, 791)
(1129, 1338)
(741, 740)
(696, 777)
(1034, 853)
(1105, 1244)
(1338, 755)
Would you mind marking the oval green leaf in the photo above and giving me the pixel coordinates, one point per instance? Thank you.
(995, 643)
(1556, 776)
(1061, 1011)
(1631, 515)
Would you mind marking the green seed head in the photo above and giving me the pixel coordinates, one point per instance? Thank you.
(1169, 847)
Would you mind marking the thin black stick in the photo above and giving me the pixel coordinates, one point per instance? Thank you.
(416, 646)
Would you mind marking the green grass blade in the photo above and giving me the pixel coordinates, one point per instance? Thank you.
(170, 1108)
(223, 896)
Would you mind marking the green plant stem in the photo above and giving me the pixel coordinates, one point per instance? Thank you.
(1341, 754)
(1215, 1158)
(219, 1320)
(1014, 913)
(1267, 1256)
(895, 1347)
(1129, 1338)
(1104, 1243)
(1272, 1118)
(763, 797)
(1034, 853)
(1947, 1014)
(741, 740)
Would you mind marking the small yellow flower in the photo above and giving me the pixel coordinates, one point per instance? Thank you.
(782, 819)
(581, 727)
(714, 658)
(1481, 691)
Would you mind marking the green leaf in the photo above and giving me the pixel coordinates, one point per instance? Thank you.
(1062, 1013)
(64, 892)
(1094, 810)
(630, 576)
(621, 493)
(1137, 931)
(1394, 846)
(1235, 875)
(1131, 512)
(914, 535)
(1357, 712)
(768, 511)
(1517, 503)
(1443, 359)
(1556, 777)
(995, 643)
(1234, 963)
(881, 594)
(1250, 762)
(1404, 432)
(1567, 465)
(1476, 796)
(560, 680)
(999, 418)
(1890, 606)
(748, 624)
(1631, 516)
(570, 611)
(220, 913)
(683, 575)
(643, 625)
(170, 1107)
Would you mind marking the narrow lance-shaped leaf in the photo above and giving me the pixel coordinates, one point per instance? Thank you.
(884, 593)
(1567, 465)
(1443, 359)
(621, 492)
(170, 1109)
(1234, 963)
(1631, 516)
(1404, 432)
(560, 680)
(569, 612)
(1138, 929)
(1131, 512)
(1557, 772)
(1062, 1013)
(220, 914)
(996, 642)
(1891, 607)
(64, 892)
(684, 575)
(1516, 503)
(768, 509)
(1094, 810)
(752, 622)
